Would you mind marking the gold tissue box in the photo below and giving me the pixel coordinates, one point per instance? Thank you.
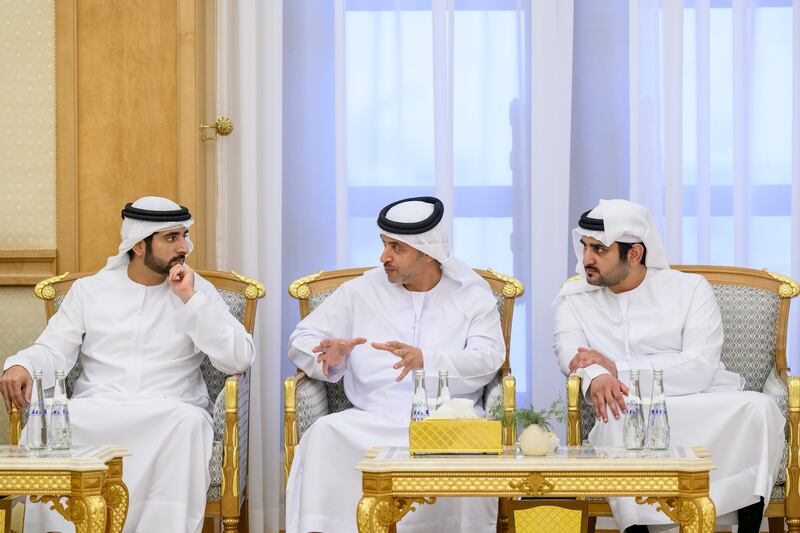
(455, 436)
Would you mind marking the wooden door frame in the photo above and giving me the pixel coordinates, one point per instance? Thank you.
(193, 192)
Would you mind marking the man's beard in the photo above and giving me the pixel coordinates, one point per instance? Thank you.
(160, 267)
(615, 277)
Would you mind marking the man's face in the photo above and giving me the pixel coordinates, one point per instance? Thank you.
(167, 249)
(402, 263)
(602, 263)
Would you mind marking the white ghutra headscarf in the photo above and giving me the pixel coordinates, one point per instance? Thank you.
(616, 221)
(416, 222)
(144, 217)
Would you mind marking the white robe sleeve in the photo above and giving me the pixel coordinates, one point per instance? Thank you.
(58, 346)
(692, 369)
(567, 338)
(331, 320)
(216, 332)
(484, 352)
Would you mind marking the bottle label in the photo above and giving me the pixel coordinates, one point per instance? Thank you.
(419, 413)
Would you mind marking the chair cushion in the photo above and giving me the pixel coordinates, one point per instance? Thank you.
(311, 402)
(337, 398)
(749, 319)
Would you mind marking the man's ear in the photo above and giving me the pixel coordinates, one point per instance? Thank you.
(635, 253)
(139, 248)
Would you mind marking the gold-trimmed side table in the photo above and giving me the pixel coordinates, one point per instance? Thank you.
(89, 478)
(676, 480)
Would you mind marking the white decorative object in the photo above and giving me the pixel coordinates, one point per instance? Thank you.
(536, 441)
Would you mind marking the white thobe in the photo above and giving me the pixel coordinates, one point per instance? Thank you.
(324, 487)
(671, 321)
(142, 388)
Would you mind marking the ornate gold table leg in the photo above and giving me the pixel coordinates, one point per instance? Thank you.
(374, 515)
(694, 515)
(378, 514)
(116, 495)
(87, 507)
(88, 514)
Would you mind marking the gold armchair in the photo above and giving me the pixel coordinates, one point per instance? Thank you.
(228, 396)
(755, 310)
(306, 399)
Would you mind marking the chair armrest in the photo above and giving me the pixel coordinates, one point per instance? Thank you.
(234, 457)
(793, 464)
(304, 401)
(574, 437)
(15, 423)
(502, 391)
(509, 406)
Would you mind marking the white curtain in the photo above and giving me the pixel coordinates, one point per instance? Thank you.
(550, 146)
(343, 106)
(249, 90)
(715, 127)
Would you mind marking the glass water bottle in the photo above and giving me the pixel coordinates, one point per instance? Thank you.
(419, 405)
(443, 393)
(59, 432)
(658, 423)
(37, 418)
(634, 429)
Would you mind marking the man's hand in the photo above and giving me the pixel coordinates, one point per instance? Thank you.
(15, 386)
(181, 281)
(586, 357)
(410, 356)
(333, 351)
(608, 391)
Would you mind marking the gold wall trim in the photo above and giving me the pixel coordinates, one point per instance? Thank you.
(26, 267)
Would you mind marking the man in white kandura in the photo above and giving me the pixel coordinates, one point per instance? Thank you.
(629, 311)
(423, 309)
(140, 325)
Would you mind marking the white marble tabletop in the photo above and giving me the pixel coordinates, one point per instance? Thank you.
(77, 458)
(564, 458)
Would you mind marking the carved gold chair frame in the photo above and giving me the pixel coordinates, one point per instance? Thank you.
(786, 289)
(303, 289)
(231, 508)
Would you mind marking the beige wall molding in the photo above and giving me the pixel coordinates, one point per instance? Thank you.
(26, 267)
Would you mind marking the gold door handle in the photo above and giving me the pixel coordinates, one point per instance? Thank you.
(223, 126)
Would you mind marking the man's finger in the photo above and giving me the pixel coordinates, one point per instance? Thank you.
(358, 340)
(325, 367)
(620, 401)
(318, 348)
(612, 404)
(6, 399)
(600, 407)
(404, 360)
(381, 346)
(17, 396)
(403, 374)
(624, 388)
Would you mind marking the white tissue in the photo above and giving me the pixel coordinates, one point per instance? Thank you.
(455, 409)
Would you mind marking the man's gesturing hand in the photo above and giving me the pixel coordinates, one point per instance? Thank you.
(410, 356)
(586, 357)
(606, 390)
(333, 351)
(15, 386)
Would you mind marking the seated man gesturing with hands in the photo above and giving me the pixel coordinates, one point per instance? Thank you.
(423, 309)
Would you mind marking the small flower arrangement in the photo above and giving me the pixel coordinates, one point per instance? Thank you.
(524, 417)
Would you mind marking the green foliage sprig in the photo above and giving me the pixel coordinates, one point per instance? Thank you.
(525, 417)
